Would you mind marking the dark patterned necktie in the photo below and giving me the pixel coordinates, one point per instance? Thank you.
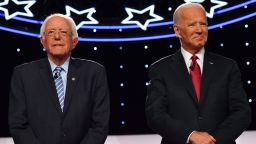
(195, 75)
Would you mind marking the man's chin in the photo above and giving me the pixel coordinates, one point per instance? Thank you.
(60, 55)
(200, 45)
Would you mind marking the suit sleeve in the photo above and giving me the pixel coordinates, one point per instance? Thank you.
(239, 110)
(98, 132)
(158, 119)
(18, 119)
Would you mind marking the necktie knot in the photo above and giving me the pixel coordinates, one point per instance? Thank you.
(57, 71)
(194, 58)
(193, 63)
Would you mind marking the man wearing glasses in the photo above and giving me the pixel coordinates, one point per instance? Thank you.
(59, 99)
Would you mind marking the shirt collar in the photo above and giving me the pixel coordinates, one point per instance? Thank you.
(187, 56)
(64, 66)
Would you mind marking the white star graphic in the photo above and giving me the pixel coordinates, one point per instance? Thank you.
(142, 26)
(28, 13)
(89, 12)
(211, 13)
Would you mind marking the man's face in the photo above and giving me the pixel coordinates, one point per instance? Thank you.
(57, 38)
(192, 28)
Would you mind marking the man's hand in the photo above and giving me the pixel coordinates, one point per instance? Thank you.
(201, 138)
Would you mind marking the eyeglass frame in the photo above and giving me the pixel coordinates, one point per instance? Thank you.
(61, 32)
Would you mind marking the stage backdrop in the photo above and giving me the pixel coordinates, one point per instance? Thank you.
(126, 37)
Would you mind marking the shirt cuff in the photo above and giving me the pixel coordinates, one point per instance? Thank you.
(189, 137)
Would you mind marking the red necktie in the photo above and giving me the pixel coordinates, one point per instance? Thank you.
(195, 75)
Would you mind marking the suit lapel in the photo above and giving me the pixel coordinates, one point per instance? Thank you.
(208, 73)
(179, 67)
(47, 78)
(72, 79)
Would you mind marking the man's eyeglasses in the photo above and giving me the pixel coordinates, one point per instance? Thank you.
(52, 32)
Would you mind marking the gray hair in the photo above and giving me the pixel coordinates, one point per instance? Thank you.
(69, 19)
(176, 14)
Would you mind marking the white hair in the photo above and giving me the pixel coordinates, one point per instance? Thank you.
(176, 14)
(69, 19)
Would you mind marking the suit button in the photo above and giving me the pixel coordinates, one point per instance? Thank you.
(200, 118)
(64, 134)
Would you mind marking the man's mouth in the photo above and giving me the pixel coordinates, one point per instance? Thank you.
(199, 38)
(58, 45)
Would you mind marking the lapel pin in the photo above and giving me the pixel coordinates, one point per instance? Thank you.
(73, 78)
(210, 62)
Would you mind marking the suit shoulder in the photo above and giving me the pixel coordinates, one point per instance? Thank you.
(88, 63)
(28, 65)
(221, 58)
(162, 61)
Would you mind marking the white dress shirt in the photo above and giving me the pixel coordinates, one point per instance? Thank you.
(187, 57)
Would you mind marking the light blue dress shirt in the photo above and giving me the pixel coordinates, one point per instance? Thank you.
(64, 72)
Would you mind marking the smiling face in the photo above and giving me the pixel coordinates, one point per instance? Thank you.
(57, 38)
(191, 28)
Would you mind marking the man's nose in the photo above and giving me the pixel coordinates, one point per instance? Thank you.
(56, 35)
(198, 28)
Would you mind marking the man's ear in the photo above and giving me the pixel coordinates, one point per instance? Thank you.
(74, 42)
(42, 39)
(176, 30)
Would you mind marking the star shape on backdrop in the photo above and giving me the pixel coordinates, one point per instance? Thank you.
(217, 3)
(144, 26)
(27, 12)
(88, 13)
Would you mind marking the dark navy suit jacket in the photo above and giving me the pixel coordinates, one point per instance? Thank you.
(173, 111)
(35, 115)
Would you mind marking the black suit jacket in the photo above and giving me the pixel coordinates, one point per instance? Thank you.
(35, 115)
(173, 111)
